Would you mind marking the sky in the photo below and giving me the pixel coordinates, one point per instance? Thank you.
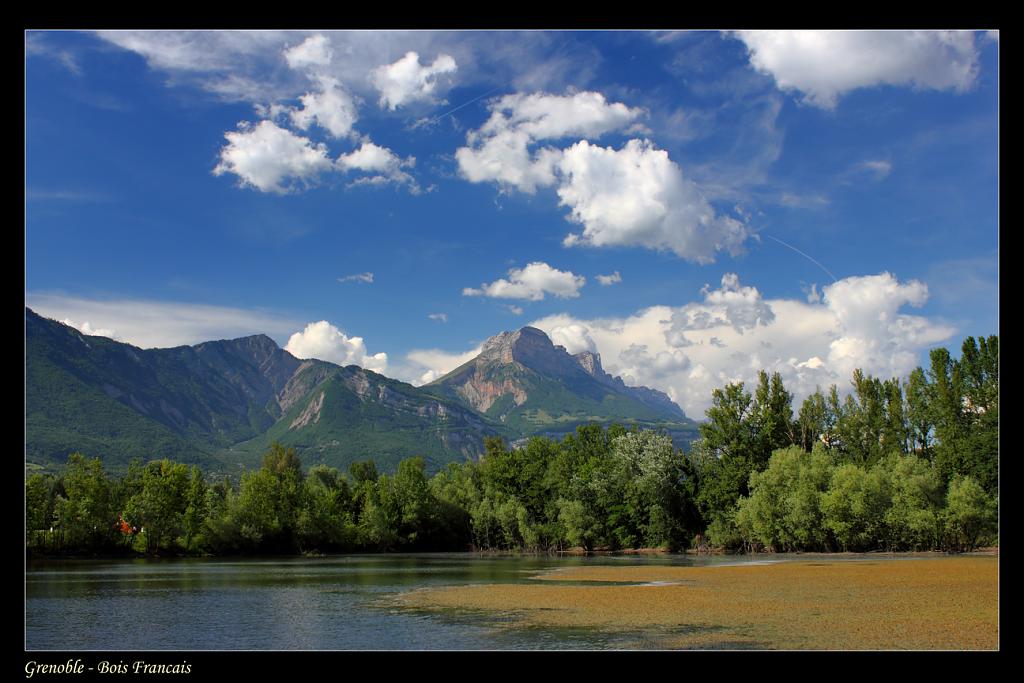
(695, 206)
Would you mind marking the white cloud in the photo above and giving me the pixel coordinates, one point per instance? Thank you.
(542, 116)
(407, 81)
(574, 337)
(331, 108)
(192, 50)
(873, 331)
(235, 65)
(734, 332)
(532, 283)
(313, 51)
(270, 158)
(504, 158)
(637, 196)
(499, 150)
(358, 277)
(423, 366)
(609, 279)
(381, 163)
(159, 324)
(879, 168)
(514, 310)
(827, 64)
(741, 308)
(324, 341)
(439, 317)
(86, 328)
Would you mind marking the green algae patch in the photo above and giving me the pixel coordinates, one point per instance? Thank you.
(919, 604)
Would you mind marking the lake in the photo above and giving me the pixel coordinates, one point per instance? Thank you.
(331, 603)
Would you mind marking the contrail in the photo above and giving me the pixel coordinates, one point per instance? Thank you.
(834, 278)
(480, 97)
(465, 104)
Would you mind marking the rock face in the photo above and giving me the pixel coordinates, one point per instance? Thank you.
(531, 348)
(658, 400)
(522, 378)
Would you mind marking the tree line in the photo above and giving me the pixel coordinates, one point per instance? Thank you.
(894, 466)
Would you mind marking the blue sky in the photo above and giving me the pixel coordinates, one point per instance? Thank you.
(694, 206)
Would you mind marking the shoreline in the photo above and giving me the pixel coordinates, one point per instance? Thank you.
(573, 552)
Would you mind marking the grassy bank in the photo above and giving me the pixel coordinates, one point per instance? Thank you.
(916, 604)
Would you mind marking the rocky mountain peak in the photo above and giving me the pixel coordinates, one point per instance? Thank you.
(507, 347)
(531, 348)
(591, 362)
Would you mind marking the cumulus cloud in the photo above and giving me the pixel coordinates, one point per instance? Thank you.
(380, 163)
(271, 159)
(504, 158)
(733, 332)
(408, 81)
(274, 159)
(637, 357)
(358, 277)
(423, 366)
(637, 196)
(574, 337)
(312, 52)
(741, 308)
(824, 65)
(499, 150)
(542, 116)
(324, 341)
(634, 196)
(158, 324)
(873, 330)
(609, 279)
(331, 108)
(532, 283)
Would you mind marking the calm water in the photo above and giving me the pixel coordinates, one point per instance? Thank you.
(331, 603)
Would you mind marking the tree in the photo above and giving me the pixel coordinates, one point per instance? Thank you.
(84, 515)
(784, 509)
(946, 400)
(196, 508)
(739, 437)
(650, 483)
(41, 492)
(855, 506)
(979, 370)
(918, 412)
(158, 509)
(914, 518)
(816, 421)
(324, 521)
(970, 514)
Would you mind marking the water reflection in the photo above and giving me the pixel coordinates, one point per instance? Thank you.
(329, 603)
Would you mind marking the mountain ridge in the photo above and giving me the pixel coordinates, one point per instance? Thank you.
(223, 402)
(523, 380)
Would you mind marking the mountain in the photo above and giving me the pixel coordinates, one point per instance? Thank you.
(221, 403)
(525, 382)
